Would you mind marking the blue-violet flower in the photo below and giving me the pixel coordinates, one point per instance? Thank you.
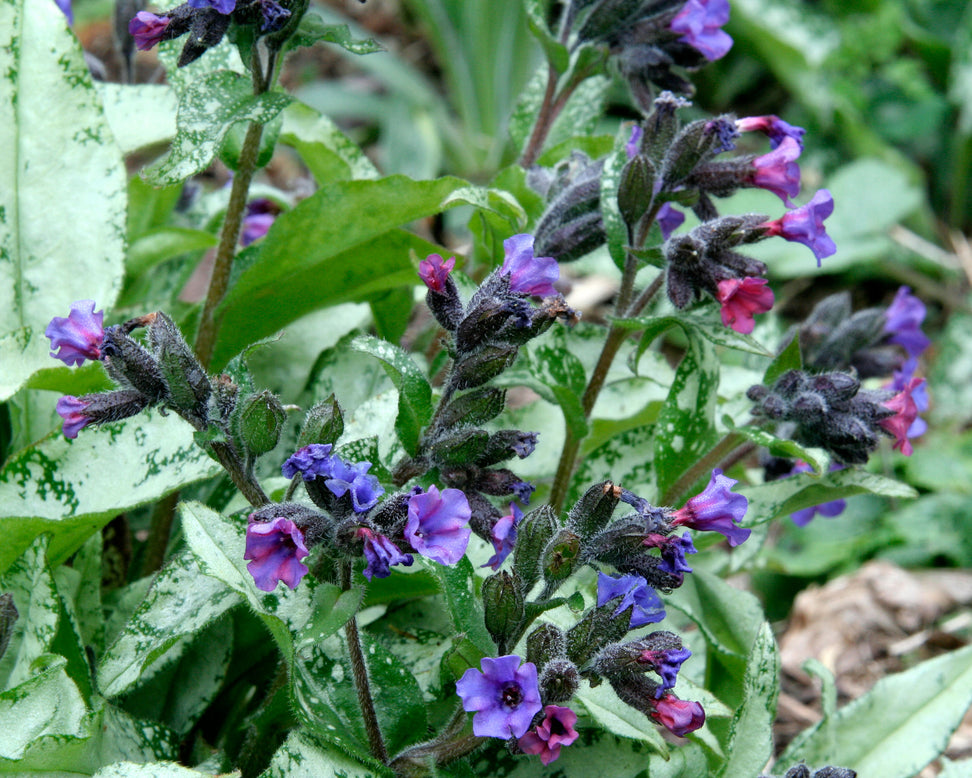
(438, 524)
(716, 508)
(310, 461)
(504, 695)
(503, 536)
(223, 6)
(147, 29)
(275, 548)
(828, 509)
(666, 663)
(673, 550)
(354, 479)
(78, 336)
(699, 24)
(903, 321)
(778, 171)
(669, 219)
(530, 275)
(70, 409)
(635, 593)
(381, 554)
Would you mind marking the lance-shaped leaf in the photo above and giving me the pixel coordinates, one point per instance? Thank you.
(341, 244)
(207, 109)
(313, 29)
(328, 153)
(301, 757)
(139, 115)
(56, 246)
(414, 391)
(72, 488)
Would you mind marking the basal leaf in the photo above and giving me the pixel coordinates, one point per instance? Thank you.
(207, 109)
(328, 153)
(55, 144)
(139, 115)
(301, 757)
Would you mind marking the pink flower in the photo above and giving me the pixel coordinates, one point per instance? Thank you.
(678, 716)
(147, 29)
(773, 127)
(778, 171)
(556, 730)
(740, 299)
(906, 411)
(71, 409)
(434, 271)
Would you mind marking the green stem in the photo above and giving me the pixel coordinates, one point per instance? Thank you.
(726, 452)
(359, 669)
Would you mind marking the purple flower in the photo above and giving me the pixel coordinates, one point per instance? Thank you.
(806, 225)
(556, 730)
(740, 299)
(919, 394)
(223, 6)
(503, 536)
(78, 336)
(434, 271)
(65, 6)
(255, 226)
(524, 444)
(310, 461)
(903, 321)
(275, 548)
(666, 663)
(669, 219)
(71, 409)
(504, 696)
(699, 24)
(354, 479)
(275, 15)
(828, 509)
(678, 716)
(717, 509)
(673, 551)
(381, 554)
(147, 29)
(634, 142)
(438, 524)
(528, 274)
(635, 593)
(778, 171)
(905, 405)
(772, 126)
(523, 491)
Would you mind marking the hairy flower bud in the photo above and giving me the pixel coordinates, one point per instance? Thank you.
(592, 512)
(459, 448)
(189, 387)
(635, 190)
(482, 366)
(261, 419)
(132, 366)
(545, 644)
(502, 606)
(534, 532)
(561, 557)
(473, 408)
(594, 631)
(558, 681)
(324, 424)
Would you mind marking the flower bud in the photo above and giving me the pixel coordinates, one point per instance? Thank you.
(206, 30)
(482, 366)
(592, 512)
(132, 366)
(594, 631)
(558, 681)
(460, 448)
(189, 387)
(635, 190)
(561, 557)
(570, 240)
(696, 144)
(507, 444)
(473, 408)
(260, 422)
(324, 424)
(545, 644)
(503, 606)
(533, 535)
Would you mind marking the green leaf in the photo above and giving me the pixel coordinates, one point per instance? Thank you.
(56, 144)
(328, 153)
(414, 391)
(817, 458)
(781, 498)
(301, 757)
(614, 225)
(619, 719)
(181, 601)
(313, 29)
(157, 246)
(460, 588)
(139, 115)
(207, 109)
(331, 610)
(153, 770)
(788, 359)
(878, 735)
(398, 698)
(72, 488)
(685, 428)
(343, 241)
(557, 54)
(751, 730)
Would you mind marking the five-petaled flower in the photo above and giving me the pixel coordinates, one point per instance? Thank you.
(903, 321)
(79, 335)
(678, 716)
(71, 408)
(635, 593)
(773, 127)
(275, 548)
(354, 479)
(556, 730)
(433, 270)
(504, 695)
(530, 275)
(503, 536)
(381, 554)
(438, 524)
(147, 29)
(778, 171)
(699, 23)
(806, 225)
(716, 508)
(741, 299)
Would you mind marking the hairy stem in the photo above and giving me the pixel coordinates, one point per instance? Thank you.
(231, 463)
(359, 670)
(545, 120)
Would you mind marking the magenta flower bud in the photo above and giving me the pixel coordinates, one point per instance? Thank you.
(919, 394)
(741, 298)
(556, 730)
(717, 509)
(635, 593)
(503, 536)
(678, 716)
(438, 524)
(773, 127)
(504, 695)
(275, 548)
(71, 408)
(903, 322)
(434, 271)
(530, 275)
(147, 29)
(381, 554)
(778, 171)
(79, 336)
(806, 225)
(223, 6)
(905, 406)
(699, 24)
(669, 219)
